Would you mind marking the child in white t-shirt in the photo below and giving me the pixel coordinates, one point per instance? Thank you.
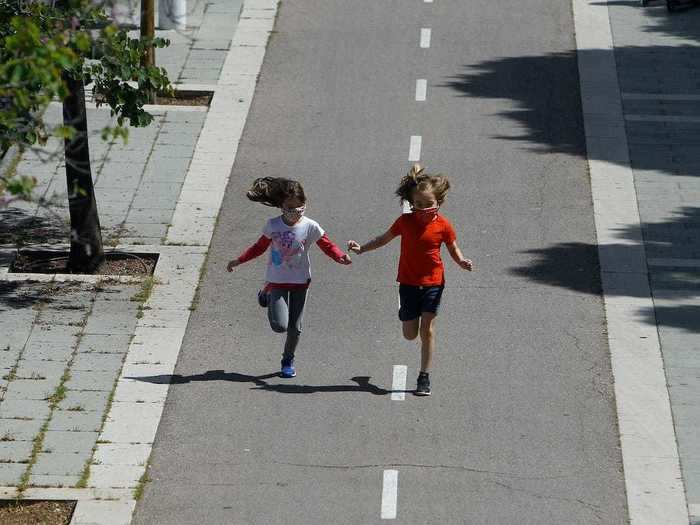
(288, 274)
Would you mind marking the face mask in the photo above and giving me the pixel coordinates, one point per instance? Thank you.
(293, 214)
(425, 215)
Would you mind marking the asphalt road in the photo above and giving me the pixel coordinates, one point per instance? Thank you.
(521, 427)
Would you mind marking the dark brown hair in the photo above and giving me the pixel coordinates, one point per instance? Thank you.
(417, 179)
(273, 191)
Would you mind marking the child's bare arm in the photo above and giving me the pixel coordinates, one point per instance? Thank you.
(375, 243)
(457, 256)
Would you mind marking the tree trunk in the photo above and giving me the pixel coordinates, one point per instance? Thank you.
(86, 250)
(148, 30)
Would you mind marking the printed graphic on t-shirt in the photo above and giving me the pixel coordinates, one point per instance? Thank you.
(287, 251)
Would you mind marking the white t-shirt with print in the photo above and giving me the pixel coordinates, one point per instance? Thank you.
(289, 251)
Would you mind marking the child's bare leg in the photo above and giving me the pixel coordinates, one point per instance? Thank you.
(410, 329)
(427, 339)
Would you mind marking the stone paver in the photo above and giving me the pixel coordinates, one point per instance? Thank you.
(104, 343)
(11, 473)
(59, 463)
(53, 480)
(88, 401)
(15, 451)
(24, 409)
(83, 421)
(97, 362)
(61, 441)
(20, 430)
(86, 329)
(654, 54)
(92, 380)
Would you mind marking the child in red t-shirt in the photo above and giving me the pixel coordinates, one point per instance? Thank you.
(421, 272)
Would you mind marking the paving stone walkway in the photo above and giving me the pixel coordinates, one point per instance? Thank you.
(656, 54)
(196, 54)
(59, 365)
(64, 345)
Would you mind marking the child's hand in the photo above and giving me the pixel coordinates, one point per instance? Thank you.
(466, 264)
(232, 265)
(345, 259)
(354, 246)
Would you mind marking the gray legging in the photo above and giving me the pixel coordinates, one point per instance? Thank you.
(285, 309)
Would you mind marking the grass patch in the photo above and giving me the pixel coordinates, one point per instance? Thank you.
(84, 476)
(138, 491)
(146, 288)
(37, 445)
(60, 392)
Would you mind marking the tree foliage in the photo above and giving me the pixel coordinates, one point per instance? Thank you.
(39, 42)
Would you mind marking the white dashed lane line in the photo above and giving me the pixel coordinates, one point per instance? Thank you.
(425, 38)
(398, 384)
(390, 492)
(421, 89)
(414, 148)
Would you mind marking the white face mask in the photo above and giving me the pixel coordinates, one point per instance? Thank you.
(293, 214)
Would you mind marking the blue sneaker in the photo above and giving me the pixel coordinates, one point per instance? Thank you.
(288, 369)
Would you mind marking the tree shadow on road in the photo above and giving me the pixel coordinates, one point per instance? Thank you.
(535, 93)
(261, 383)
(568, 265)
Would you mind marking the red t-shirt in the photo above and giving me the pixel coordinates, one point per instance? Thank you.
(420, 263)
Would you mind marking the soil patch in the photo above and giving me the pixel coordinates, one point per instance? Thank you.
(186, 98)
(179, 98)
(25, 512)
(119, 263)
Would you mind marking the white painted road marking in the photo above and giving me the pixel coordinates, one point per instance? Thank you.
(398, 384)
(421, 89)
(390, 492)
(428, 1)
(414, 148)
(425, 38)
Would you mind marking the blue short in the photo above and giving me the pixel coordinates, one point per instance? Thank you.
(414, 300)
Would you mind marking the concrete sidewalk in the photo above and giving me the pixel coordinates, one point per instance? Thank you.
(657, 64)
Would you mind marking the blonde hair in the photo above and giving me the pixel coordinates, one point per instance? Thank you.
(417, 179)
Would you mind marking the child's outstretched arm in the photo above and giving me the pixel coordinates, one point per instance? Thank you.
(332, 251)
(251, 253)
(457, 256)
(375, 243)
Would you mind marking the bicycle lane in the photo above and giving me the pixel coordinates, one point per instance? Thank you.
(521, 424)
